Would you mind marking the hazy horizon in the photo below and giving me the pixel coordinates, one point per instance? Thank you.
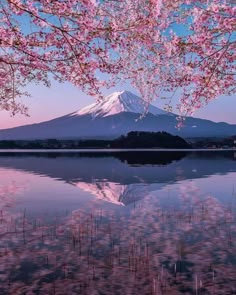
(61, 99)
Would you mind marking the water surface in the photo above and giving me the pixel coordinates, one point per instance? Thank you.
(154, 222)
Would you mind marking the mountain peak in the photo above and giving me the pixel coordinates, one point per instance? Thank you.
(117, 102)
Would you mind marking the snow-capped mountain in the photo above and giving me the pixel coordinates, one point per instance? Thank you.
(117, 114)
(119, 102)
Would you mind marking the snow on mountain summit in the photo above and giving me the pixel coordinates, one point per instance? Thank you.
(118, 102)
(112, 117)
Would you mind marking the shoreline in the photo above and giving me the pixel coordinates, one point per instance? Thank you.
(88, 150)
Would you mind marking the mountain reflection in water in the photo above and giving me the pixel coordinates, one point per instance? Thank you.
(178, 237)
(122, 177)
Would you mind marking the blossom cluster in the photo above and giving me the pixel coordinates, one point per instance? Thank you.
(182, 46)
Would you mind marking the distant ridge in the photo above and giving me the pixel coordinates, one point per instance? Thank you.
(117, 114)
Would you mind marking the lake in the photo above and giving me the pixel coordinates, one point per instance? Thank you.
(123, 222)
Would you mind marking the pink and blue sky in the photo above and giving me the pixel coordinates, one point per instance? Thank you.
(61, 99)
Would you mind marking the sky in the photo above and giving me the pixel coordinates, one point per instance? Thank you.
(61, 99)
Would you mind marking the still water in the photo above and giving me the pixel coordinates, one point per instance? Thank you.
(118, 223)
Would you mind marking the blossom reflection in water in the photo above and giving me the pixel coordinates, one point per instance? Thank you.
(176, 239)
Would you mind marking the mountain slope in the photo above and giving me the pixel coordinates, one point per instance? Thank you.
(119, 102)
(116, 115)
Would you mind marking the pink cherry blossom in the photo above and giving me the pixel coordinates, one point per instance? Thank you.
(138, 41)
